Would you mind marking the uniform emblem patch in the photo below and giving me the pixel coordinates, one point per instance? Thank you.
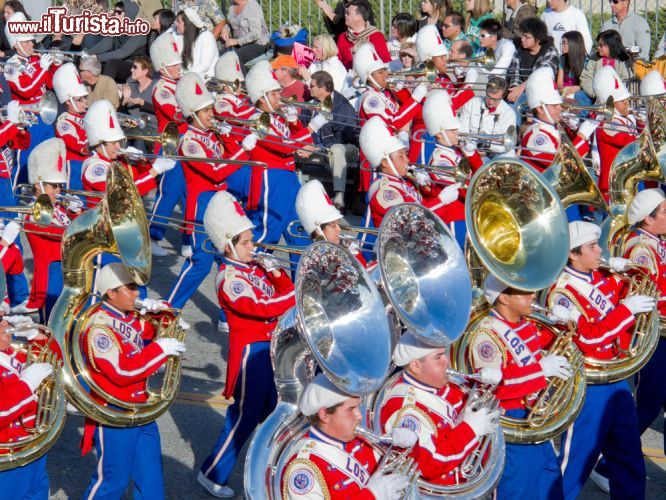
(540, 140)
(99, 171)
(487, 351)
(237, 287)
(390, 195)
(564, 301)
(103, 343)
(410, 422)
(373, 102)
(192, 148)
(642, 260)
(301, 481)
(64, 126)
(164, 94)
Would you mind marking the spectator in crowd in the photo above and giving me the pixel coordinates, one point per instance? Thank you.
(490, 38)
(197, 44)
(633, 29)
(434, 12)
(561, 17)
(286, 72)
(339, 135)
(409, 57)
(210, 12)
(572, 62)
(137, 94)
(100, 86)
(359, 30)
(403, 29)
(246, 31)
(453, 28)
(10, 7)
(519, 12)
(477, 12)
(163, 20)
(488, 114)
(610, 52)
(536, 51)
(334, 19)
(116, 52)
(326, 59)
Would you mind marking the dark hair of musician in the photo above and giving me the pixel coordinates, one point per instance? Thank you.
(465, 48)
(314, 420)
(576, 251)
(615, 46)
(17, 6)
(323, 80)
(493, 27)
(496, 84)
(574, 61)
(190, 35)
(166, 18)
(535, 27)
(405, 24)
(457, 19)
(363, 7)
(652, 214)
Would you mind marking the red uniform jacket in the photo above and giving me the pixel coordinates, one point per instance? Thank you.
(345, 46)
(611, 141)
(386, 192)
(96, 167)
(252, 300)
(166, 107)
(11, 138)
(69, 128)
(28, 86)
(649, 250)
(545, 139)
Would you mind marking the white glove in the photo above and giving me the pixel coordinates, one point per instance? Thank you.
(268, 263)
(223, 128)
(420, 92)
(11, 231)
(151, 305)
(482, 421)
(559, 314)
(403, 437)
(171, 347)
(556, 366)
(74, 204)
(387, 486)
(162, 165)
(490, 375)
(183, 324)
(317, 122)
(14, 112)
(468, 147)
(587, 128)
(449, 194)
(34, 374)
(133, 153)
(45, 61)
(639, 304)
(250, 142)
(618, 264)
(573, 122)
(18, 320)
(403, 136)
(291, 113)
(420, 177)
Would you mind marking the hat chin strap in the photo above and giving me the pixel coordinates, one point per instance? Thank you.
(547, 113)
(74, 105)
(320, 232)
(391, 165)
(374, 82)
(233, 250)
(196, 117)
(103, 146)
(268, 102)
(446, 138)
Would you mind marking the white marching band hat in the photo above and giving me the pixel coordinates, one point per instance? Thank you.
(47, 162)
(67, 83)
(112, 276)
(228, 67)
(224, 219)
(14, 38)
(366, 61)
(607, 84)
(409, 348)
(653, 84)
(581, 232)
(260, 80)
(164, 51)
(377, 142)
(541, 88)
(192, 94)
(492, 288)
(101, 123)
(429, 43)
(643, 204)
(438, 112)
(314, 207)
(320, 393)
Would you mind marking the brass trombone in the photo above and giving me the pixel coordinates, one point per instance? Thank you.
(487, 60)
(217, 85)
(61, 55)
(607, 109)
(41, 210)
(168, 138)
(506, 140)
(46, 108)
(128, 121)
(148, 156)
(428, 73)
(324, 108)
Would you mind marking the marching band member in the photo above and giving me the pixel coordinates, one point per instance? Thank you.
(509, 347)
(653, 84)
(594, 299)
(321, 219)
(388, 156)
(201, 141)
(18, 404)
(645, 246)
(253, 297)
(397, 109)
(621, 129)
(47, 173)
(171, 187)
(13, 135)
(121, 354)
(28, 76)
(448, 202)
(230, 103)
(12, 264)
(73, 95)
(541, 140)
(331, 461)
(465, 74)
(424, 400)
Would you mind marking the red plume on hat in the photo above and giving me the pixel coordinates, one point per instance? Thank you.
(59, 166)
(111, 124)
(239, 209)
(328, 198)
(617, 84)
(197, 89)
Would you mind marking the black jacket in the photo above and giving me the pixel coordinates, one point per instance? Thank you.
(343, 128)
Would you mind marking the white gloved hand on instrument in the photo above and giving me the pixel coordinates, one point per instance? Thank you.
(556, 366)
(618, 264)
(171, 347)
(14, 112)
(420, 92)
(639, 303)
(483, 421)
(291, 113)
(35, 374)
(490, 375)
(317, 122)
(250, 142)
(11, 231)
(387, 486)
(403, 437)
(449, 194)
(420, 177)
(162, 165)
(132, 153)
(151, 305)
(45, 61)
(560, 314)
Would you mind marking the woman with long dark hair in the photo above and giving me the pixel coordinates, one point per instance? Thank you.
(199, 48)
(610, 52)
(572, 62)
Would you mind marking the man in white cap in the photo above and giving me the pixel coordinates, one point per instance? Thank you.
(121, 353)
(73, 95)
(106, 140)
(595, 300)
(331, 461)
(621, 129)
(423, 399)
(165, 56)
(252, 296)
(542, 139)
(28, 76)
(18, 405)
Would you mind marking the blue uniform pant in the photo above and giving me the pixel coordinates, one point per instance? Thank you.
(29, 482)
(124, 454)
(530, 471)
(459, 230)
(17, 288)
(75, 169)
(607, 424)
(53, 290)
(651, 389)
(39, 132)
(255, 398)
(171, 190)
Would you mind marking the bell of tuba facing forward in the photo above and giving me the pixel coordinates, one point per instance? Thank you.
(116, 225)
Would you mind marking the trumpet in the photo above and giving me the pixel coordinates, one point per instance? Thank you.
(217, 85)
(128, 121)
(41, 210)
(428, 72)
(506, 140)
(16, 65)
(61, 55)
(46, 109)
(607, 109)
(325, 108)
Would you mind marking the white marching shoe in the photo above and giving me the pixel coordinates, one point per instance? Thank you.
(600, 480)
(156, 249)
(186, 251)
(217, 490)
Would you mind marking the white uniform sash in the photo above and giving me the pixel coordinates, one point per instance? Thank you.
(599, 300)
(514, 344)
(11, 363)
(339, 458)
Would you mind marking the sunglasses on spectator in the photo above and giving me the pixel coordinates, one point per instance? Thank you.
(118, 11)
(406, 54)
(485, 35)
(526, 36)
(615, 1)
